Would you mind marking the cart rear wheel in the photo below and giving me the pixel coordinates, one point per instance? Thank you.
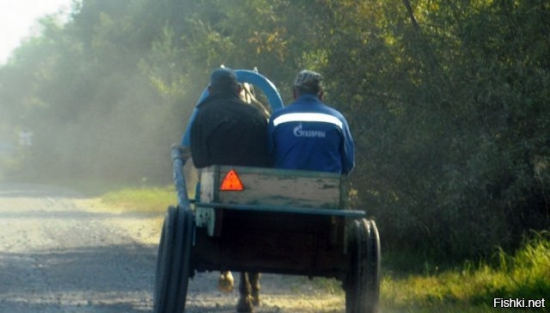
(173, 261)
(363, 282)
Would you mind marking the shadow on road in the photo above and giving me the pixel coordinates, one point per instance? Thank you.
(73, 215)
(19, 307)
(117, 278)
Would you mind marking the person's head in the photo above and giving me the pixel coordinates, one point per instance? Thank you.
(224, 80)
(308, 82)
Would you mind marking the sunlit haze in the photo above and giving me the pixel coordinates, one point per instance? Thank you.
(18, 19)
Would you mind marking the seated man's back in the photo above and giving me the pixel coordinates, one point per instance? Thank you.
(226, 130)
(309, 135)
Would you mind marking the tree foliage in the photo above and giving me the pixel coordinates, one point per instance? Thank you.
(447, 99)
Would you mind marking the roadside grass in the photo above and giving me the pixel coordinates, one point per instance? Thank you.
(468, 288)
(473, 287)
(124, 197)
(142, 200)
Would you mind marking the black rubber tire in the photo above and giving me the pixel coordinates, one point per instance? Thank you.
(162, 257)
(363, 280)
(173, 261)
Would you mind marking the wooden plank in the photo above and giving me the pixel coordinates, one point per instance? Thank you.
(275, 187)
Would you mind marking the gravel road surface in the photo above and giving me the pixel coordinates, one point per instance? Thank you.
(61, 252)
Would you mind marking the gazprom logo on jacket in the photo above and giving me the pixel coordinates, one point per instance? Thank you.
(298, 132)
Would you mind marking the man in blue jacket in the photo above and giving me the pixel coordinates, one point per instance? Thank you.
(308, 134)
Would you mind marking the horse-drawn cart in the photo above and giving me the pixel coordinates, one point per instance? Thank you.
(266, 220)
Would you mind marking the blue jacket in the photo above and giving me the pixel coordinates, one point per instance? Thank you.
(309, 135)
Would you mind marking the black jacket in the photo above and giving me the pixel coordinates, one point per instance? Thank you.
(227, 131)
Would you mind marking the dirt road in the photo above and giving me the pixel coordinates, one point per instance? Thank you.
(60, 252)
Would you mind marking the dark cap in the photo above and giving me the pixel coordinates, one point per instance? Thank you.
(308, 81)
(223, 78)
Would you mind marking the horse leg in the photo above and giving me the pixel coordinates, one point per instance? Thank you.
(225, 282)
(245, 299)
(254, 279)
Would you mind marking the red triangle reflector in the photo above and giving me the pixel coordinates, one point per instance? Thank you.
(231, 182)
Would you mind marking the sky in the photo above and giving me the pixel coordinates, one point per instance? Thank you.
(19, 17)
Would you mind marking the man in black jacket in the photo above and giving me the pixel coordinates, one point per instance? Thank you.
(226, 130)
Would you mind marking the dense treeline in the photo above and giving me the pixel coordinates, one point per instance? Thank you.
(447, 100)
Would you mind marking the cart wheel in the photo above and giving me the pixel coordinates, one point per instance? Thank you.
(173, 261)
(363, 282)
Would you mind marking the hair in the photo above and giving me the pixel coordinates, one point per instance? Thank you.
(308, 82)
(223, 87)
(301, 90)
(223, 79)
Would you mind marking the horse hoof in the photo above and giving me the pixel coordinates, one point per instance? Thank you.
(245, 305)
(226, 282)
(255, 299)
